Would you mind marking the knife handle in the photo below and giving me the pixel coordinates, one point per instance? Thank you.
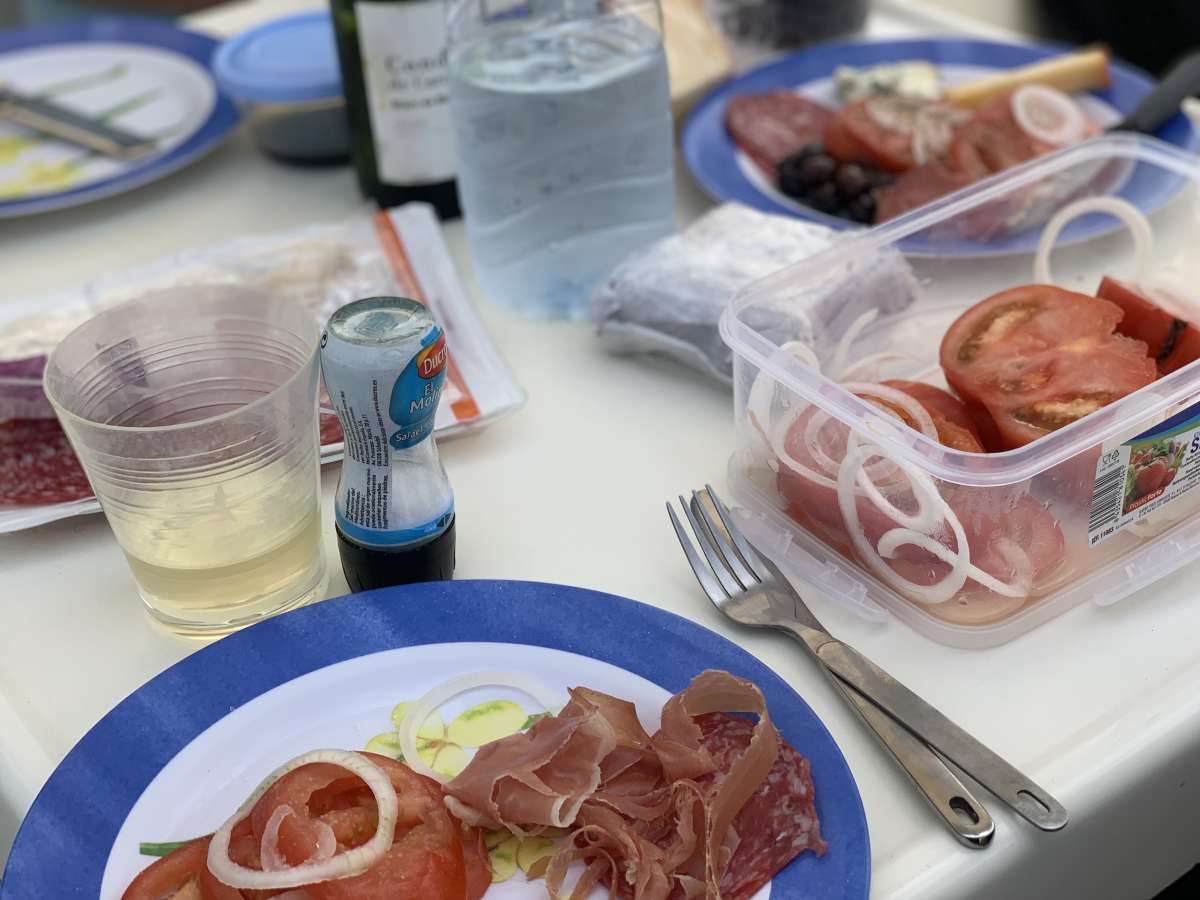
(1164, 98)
(990, 770)
(965, 816)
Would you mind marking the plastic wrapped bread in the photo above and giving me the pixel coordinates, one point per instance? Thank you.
(668, 298)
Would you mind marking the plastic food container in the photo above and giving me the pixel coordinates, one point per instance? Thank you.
(285, 77)
(861, 505)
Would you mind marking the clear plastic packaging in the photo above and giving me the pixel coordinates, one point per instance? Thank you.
(318, 268)
(972, 549)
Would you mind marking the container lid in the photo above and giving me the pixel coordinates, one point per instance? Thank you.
(287, 60)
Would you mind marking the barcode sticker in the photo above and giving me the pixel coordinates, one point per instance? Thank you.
(1144, 474)
(1106, 499)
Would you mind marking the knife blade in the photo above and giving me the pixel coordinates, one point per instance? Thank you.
(48, 117)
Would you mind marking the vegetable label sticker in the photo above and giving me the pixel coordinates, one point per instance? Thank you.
(1145, 473)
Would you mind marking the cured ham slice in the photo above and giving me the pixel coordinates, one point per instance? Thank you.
(656, 817)
(537, 778)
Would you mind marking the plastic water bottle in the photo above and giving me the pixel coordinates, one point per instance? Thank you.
(563, 133)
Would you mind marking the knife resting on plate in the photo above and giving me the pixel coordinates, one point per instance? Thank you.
(47, 117)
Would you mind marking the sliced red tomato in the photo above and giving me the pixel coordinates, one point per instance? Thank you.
(180, 875)
(1037, 358)
(990, 522)
(298, 832)
(433, 857)
(858, 135)
(955, 427)
(1172, 342)
(994, 521)
(478, 863)
(425, 864)
(992, 141)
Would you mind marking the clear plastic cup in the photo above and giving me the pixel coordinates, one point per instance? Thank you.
(194, 413)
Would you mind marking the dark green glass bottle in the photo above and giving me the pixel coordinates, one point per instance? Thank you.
(394, 72)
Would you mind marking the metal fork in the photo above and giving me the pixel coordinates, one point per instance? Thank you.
(751, 591)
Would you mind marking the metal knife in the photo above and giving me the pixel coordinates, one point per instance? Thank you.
(48, 117)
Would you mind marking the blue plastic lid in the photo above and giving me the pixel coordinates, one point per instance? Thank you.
(286, 60)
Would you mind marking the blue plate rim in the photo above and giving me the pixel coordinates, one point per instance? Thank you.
(185, 699)
(729, 184)
(193, 45)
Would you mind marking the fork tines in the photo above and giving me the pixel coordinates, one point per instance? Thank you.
(732, 565)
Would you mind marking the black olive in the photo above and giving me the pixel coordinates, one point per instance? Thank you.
(789, 178)
(862, 208)
(851, 180)
(799, 173)
(816, 148)
(823, 197)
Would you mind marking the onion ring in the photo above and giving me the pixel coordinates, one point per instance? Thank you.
(1138, 224)
(420, 709)
(345, 865)
(761, 397)
(891, 541)
(842, 350)
(925, 490)
(1072, 124)
(778, 448)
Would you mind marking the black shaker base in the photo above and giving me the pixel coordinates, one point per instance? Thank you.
(367, 568)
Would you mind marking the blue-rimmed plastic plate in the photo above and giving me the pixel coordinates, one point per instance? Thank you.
(177, 756)
(728, 174)
(139, 74)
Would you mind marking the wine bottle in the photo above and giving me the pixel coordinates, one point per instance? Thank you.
(394, 73)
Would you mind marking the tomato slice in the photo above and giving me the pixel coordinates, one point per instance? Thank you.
(180, 875)
(1037, 358)
(994, 521)
(1021, 520)
(1172, 342)
(992, 141)
(955, 427)
(425, 864)
(857, 135)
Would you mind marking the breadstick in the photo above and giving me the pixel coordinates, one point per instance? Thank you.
(1084, 70)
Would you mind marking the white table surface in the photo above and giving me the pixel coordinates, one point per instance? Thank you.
(1100, 706)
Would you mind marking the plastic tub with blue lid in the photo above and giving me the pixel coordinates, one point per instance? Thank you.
(285, 76)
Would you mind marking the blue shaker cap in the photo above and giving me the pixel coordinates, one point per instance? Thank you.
(287, 60)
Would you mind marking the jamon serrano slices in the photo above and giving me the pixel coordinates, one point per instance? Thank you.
(536, 778)
(654, 817)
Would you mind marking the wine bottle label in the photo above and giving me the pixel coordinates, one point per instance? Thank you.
(403, 47)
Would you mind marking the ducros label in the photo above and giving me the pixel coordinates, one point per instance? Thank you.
(432, 360)
(415, 394)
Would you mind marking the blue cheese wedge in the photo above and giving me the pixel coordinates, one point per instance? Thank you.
(913, 79)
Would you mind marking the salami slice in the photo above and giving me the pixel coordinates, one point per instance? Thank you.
(37, 464)
(916, 187)
(771, 127)
(778, 822)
